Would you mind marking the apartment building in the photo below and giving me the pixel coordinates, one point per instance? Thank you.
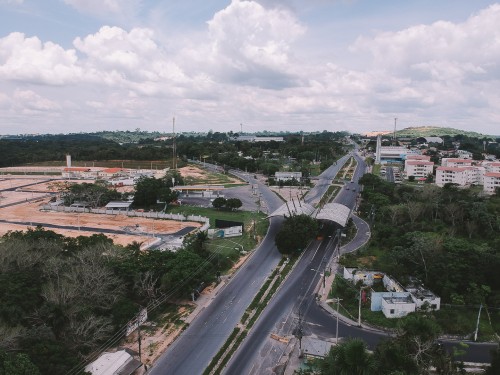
(492, 167)
(456, 162)
(491, 182)
(418, 168)
(462, 176)
(451, 175)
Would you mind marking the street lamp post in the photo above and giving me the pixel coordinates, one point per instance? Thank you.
(337, 330)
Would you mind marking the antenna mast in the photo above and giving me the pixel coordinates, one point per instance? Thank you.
(174, 150)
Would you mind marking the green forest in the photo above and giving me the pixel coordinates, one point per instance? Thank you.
(62, 298)
(446, 237)
(218, 148)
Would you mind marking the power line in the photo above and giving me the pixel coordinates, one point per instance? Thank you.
(152, 306)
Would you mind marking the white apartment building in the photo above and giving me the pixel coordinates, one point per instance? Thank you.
(452, 175)
(418, 168)
(462, 176)
(456, 162)
(491, 182)
(492, 167)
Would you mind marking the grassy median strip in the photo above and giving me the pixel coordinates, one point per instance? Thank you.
(250, 316)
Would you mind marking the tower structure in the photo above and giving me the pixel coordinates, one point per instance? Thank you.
(378, 151)
(174, 146)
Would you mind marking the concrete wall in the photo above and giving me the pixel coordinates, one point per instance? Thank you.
(377, 297)
(397, 310)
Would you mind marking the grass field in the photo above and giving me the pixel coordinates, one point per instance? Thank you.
(230, 247)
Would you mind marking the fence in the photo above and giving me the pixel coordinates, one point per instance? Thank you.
(132, 213)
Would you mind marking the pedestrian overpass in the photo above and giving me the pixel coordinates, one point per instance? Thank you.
(335, 212)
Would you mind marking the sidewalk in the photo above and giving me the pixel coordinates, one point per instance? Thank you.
(205, 299)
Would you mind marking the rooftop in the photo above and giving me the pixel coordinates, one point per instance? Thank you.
(113, 170)
(398, 299)
(458, 160)
(76, 169)
(420, 162)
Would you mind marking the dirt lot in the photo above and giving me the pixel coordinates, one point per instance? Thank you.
(196, 173)
(141, 229)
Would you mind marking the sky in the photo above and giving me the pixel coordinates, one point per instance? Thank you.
(69, 66)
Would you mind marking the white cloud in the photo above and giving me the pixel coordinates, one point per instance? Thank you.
(252, 45)
(30, 100)
(244, 67)
(443, 70)
(30, 60)
(474, 43)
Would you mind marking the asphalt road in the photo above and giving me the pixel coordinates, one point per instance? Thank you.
(259, 354)
(194, 348)
(325, 179)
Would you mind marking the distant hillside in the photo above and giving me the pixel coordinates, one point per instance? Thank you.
(436, 131)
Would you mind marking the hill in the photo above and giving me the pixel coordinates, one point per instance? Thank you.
(436, 131)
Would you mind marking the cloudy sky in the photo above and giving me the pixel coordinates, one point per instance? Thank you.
(88, 65)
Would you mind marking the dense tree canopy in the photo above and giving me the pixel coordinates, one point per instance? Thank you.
(295, 234)
(63, 297)
(149, 191)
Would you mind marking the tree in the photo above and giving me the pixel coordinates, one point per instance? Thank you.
(17, 364)
(148, 191)
(218, 203)
(417, 334)
(295, 234)
(391, 358)
(348, 358)
(233, 203)
(495, 362)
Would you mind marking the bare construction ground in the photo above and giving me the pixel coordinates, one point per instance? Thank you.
(195, 175)
(26, 213)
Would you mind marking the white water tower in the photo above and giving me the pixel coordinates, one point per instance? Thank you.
(68, 161)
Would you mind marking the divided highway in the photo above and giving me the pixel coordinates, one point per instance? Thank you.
(193, 350)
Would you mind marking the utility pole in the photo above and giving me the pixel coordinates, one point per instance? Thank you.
(139, 341)
(477, 324)
(359, 307)
(298, 333)
(337, 330)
